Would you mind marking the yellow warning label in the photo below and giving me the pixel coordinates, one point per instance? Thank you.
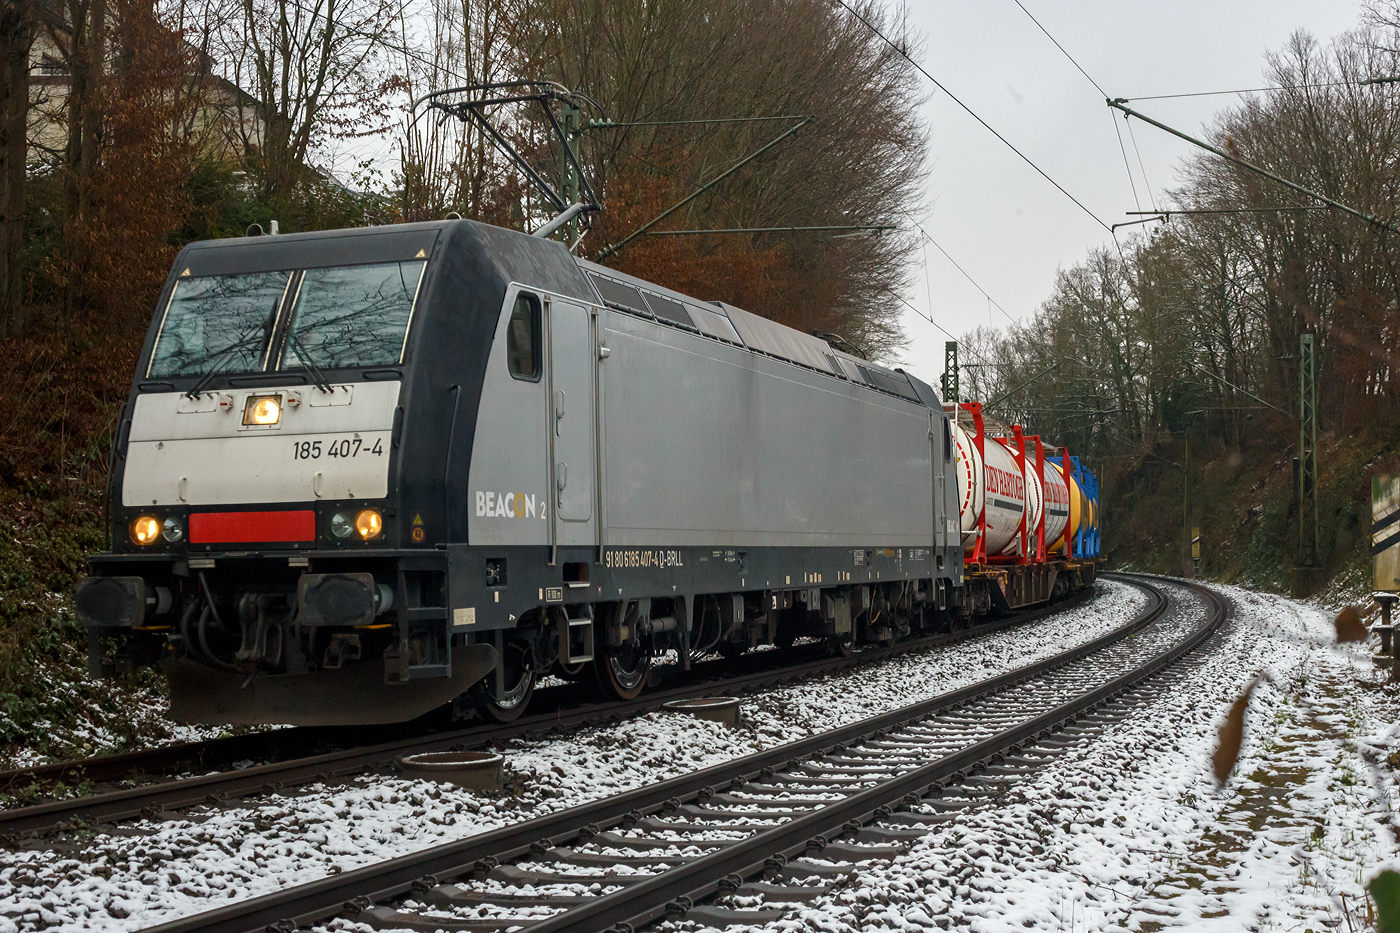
(185, 273)
(421, 255)
(418, 518)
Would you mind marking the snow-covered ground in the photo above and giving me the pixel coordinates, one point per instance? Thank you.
(149, 872)
(1132, 833)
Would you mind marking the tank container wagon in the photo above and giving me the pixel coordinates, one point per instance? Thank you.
(365, 474)
(1027, 514)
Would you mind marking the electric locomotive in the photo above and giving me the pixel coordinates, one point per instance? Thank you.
(365, 474)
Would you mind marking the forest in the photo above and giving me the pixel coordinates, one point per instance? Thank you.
(1172, 358)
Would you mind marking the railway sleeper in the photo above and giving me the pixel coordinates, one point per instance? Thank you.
(452, 896)
(619, 841)
(778, 793)
(886, 835)
(565, 855)
(721, 916)
(667, 826)
(764, 815)
(854, 852)
(804, 868)
(781, 893)
(734, 916)
(387, 918)
(510, 874)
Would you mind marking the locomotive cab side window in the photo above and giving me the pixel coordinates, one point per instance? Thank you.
(947, 442)
(523, 339)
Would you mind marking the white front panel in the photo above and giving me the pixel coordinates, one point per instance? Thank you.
(323, 447)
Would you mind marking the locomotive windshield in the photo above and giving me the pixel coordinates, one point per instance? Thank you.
(218, 323)
(323, 318)
(352, 315)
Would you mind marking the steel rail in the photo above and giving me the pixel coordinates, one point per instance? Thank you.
(642, 903)
(354, 889)
(155, 798)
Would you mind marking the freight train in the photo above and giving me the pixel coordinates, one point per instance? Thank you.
(366, 474)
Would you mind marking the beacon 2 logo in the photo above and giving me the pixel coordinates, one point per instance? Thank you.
(508, 505)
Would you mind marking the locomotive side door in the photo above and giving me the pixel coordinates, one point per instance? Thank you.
(571, 437)
(937, 449)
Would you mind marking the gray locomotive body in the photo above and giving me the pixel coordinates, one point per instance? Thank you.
(443, 460)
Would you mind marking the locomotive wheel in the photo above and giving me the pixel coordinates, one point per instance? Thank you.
(842, 645)
(520, 686)
(623, 670)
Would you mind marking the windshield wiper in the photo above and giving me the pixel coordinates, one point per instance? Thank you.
(193, 393)
(318, 377)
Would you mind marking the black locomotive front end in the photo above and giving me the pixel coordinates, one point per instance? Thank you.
(278, 498)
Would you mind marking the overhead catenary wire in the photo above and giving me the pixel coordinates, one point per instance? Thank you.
(991, 301)
(1061, 48)
(987, 126)
(902, 300)
(1245, 90)
(1126, 166)
(1151, 198)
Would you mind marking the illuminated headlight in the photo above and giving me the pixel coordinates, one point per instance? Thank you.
(368, 524)
(342, 525)
(145, 529)
(262, 409)
(171, 530)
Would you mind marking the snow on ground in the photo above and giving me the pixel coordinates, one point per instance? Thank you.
(148, 872)
(1131, 832)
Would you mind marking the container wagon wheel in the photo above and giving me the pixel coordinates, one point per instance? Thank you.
(519, 686)
(623, 670)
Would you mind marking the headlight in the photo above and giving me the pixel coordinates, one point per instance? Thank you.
(341, 525)
(171, 530)
(262, 409)
(145, 529)
(368, 524)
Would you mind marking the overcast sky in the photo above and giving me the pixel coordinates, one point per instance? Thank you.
(1003, 223)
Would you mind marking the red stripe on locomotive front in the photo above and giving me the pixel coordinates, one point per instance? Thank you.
(247, 527)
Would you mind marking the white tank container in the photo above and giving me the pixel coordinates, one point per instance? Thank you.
(1035, 498)
(995, 486)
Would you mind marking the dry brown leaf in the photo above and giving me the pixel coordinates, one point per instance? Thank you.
(1227, 750)
(1349, 625)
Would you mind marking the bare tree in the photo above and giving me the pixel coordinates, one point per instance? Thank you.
(16, 39)
(664, 61)
(315, 70)
(446, 165)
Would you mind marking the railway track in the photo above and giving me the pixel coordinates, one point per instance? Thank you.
(164, 796)
(756, 835)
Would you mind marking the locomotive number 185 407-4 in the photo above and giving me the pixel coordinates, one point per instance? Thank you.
(337, 447)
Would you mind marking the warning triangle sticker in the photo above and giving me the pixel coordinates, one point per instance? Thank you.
(421, 255)
(418, 518)
(185, 273)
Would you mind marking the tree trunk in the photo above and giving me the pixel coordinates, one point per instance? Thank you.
(16, 38)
